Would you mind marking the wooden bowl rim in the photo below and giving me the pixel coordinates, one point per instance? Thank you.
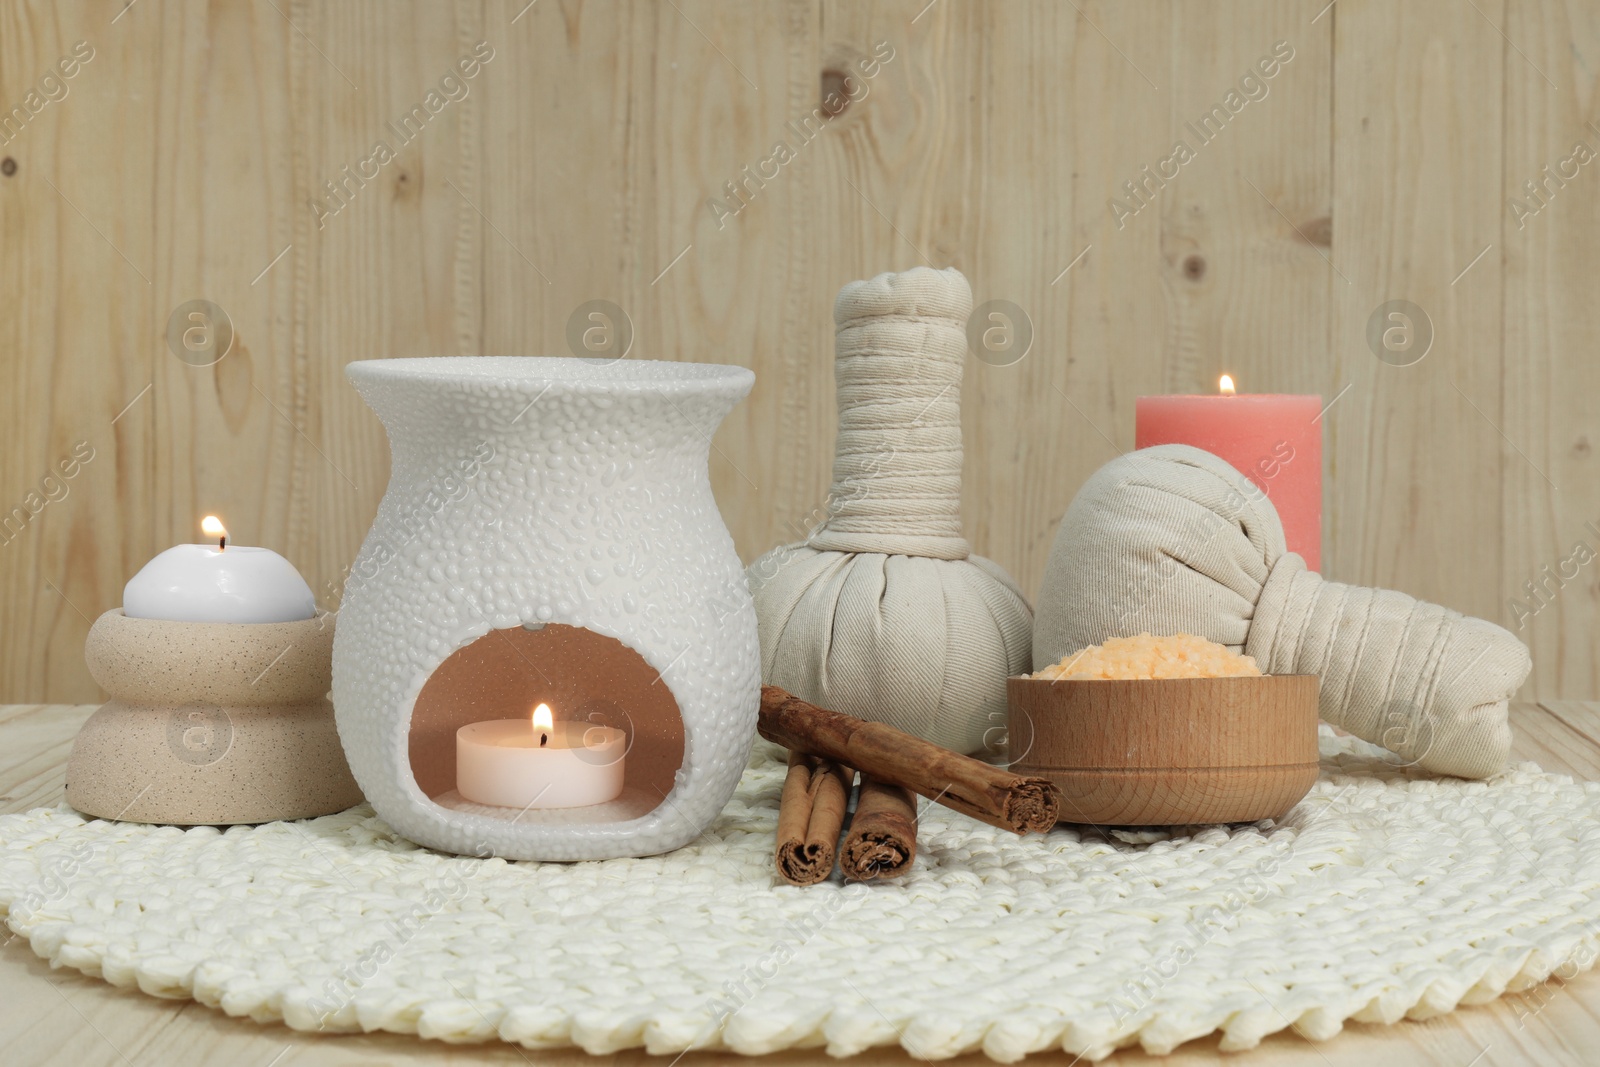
(1100, 732)
(1022, 678)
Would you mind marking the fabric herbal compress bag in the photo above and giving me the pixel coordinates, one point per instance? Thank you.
(884, 613)
(1174, 540)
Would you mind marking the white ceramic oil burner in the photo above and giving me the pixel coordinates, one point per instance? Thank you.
(548, 537)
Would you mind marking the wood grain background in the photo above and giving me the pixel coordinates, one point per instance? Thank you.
(182, 161)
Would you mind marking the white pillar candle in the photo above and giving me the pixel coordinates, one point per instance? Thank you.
(539, 763)
(218, 583)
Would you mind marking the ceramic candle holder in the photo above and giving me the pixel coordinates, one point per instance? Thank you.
(1168, 751)
(548, 536)
(210, 724)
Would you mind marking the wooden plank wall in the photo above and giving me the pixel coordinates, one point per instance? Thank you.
(1386, 161)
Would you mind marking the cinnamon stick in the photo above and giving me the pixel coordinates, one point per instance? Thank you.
(810, 816)
(972, 787)
(882, 840)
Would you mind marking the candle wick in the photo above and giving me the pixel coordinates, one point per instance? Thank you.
(543, 739)
(222, 543)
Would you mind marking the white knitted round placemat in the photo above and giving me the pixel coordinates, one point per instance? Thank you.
(1383, 894)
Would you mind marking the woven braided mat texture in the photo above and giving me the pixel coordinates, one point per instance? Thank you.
(1386, 893)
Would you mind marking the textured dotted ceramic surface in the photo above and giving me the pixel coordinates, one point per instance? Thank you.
(531, 490)
(1384, 894)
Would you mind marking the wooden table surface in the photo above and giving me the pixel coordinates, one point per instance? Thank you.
(63, 1017)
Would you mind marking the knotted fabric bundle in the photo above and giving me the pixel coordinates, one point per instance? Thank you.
(1174, 540)
(883, 612)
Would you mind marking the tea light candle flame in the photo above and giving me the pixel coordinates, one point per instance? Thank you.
(544, 722)
(1225, 385)
(212, 526)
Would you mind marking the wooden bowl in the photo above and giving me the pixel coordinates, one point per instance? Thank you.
(1168, 751)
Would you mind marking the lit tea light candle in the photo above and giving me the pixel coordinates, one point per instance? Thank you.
(539, 763)
(1274, 440)
(218, 583)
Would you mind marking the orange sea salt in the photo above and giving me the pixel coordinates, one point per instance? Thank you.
(1178, 656)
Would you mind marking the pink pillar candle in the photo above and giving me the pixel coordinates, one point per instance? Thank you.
(1274, 440)
(514, 763)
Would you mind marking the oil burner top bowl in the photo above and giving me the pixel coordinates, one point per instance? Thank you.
(1168, 751)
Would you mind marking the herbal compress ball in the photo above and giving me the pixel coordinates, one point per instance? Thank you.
(883, 612)
(1174, 540)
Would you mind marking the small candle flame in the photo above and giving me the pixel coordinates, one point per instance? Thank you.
(1225, 385)
(544, 722)
(212, 526)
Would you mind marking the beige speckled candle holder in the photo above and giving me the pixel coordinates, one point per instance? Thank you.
(210, 724)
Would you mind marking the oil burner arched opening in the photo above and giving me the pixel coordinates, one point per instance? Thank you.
(583, 676)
